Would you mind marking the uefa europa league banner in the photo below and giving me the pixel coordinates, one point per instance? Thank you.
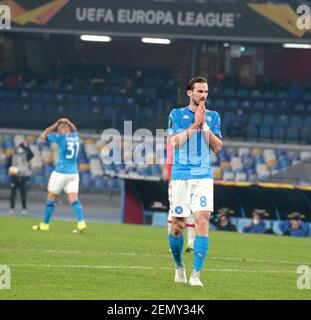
(245, 21)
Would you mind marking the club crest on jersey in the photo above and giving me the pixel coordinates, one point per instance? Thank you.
(179, 210)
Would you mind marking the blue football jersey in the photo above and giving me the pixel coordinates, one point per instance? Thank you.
(68, 149)
(192, 160)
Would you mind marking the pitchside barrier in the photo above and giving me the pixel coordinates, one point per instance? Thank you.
(145, 201)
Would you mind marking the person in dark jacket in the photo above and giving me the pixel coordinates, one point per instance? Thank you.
(222, 220)
(257, 225)
(294, 226)
(19, 172)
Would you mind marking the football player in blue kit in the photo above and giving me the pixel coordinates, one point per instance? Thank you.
(65, 176)
(193, 132)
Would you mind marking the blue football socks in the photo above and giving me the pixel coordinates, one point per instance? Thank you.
(200, 250)
(176, 245)
(48, 212)
(78, 209)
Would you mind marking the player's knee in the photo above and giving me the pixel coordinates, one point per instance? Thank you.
(202, 221)
(51, 196)
(72, 198)
(177, 231)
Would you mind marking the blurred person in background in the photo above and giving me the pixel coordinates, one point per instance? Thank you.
(222, 220)
(257, 225)
(19, 172)
(294, 226)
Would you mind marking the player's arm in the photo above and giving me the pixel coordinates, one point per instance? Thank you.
(181, 138)
(211, 138)
(49, 130)
(213, 141)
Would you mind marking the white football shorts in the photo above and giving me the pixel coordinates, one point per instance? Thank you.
(189, 196)
(69, 183)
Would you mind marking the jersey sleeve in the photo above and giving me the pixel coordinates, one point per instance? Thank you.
(53, 137)
(173, 123)
(216, 125)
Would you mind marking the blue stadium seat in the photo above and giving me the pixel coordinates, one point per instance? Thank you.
(271, 105)
(251, 132)
(233, 104)
(292, 134)
(268, 120)
(255, 94)
(278, 133)
(106, 99)
(36, 95)
(307, 121)
(227, 119)
(268, 95)
(255, 119)
(299, 107)
(48, 96)
(307, 96)
(71, 98)
(246, 104)
(305, 134)
(220, 103)
(296, 121)
(282, 95)
(229, 92)
(242, 93)
(13, 94)
(83, 98)
(264, 133)
(3, 106)
(282, 121)
(260, 105)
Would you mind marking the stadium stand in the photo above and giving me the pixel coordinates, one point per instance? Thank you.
(97, 93)
(271, 113)
(235, 162)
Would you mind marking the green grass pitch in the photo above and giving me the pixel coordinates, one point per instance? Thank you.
(133, 262)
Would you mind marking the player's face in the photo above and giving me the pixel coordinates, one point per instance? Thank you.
(198, 94)
(63, 128)
(295, 223)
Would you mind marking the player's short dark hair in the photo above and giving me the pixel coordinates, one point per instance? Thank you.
(195, 80)
(62, 123)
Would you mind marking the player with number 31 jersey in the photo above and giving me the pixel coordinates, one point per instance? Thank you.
(65, 176)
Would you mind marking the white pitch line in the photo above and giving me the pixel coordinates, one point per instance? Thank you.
(66, 266)
(105, 253)
(147, 255)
